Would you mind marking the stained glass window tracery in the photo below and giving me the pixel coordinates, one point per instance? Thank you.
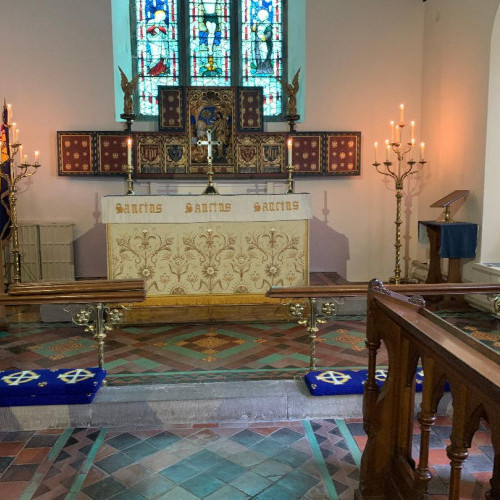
(209, 43)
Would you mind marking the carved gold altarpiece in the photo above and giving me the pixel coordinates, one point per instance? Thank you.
(202, 250)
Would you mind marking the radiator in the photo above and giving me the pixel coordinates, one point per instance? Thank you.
(46, 252)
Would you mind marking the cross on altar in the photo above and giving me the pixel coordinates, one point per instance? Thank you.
(210, 189)
(209, 143)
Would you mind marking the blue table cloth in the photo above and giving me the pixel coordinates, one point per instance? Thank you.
(458, 239)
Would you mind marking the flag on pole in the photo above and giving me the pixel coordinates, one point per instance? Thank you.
(5, 167)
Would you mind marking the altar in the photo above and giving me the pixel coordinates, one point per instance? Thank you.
(208, 249)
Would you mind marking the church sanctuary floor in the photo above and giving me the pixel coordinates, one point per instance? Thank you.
(306, 459)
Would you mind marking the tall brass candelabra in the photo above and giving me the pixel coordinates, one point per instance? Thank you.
(399, 171)
(12, 177)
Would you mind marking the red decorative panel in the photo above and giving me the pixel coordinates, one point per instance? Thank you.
(307, 156)
(172, 110)
(76, 153)
(250, 109)
(111, 153)
(343, 153)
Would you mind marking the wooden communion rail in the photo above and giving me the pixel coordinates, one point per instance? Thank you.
(100, 300)
(412, 336)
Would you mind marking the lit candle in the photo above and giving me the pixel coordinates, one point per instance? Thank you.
(376, 147)
(422, 151)
(290, 151)
(25, 159)
(21, 153)
(37, 157)
(129, 151)
(9, 113)
(16, 135)
(392, 130)
(387, 151)
(13, 129)
(401, 114)
(397, 134)
(412, 131)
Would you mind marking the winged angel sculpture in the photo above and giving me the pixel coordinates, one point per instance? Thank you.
(291, 90)
(128, 88)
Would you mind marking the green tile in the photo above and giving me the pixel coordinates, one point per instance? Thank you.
(151, 487)
(298, 482)
(247, 438)
(123, 441)
(104, 489)
(180, 472)
(268, 447)
(179, 493)
(140, 450)
(292, 457)
(226, 470)
(203, 485)
(204, 459)
(146, 363)
(272, 469)
(251, 483)
(286, 436)
(227, 493)
(163, 440)
(114, 462)
(113, 364)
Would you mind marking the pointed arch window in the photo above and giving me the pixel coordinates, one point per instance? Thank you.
(209, 43)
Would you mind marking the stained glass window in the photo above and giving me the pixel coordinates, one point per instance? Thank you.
(209, 43)
(262, 50)
(157, 49)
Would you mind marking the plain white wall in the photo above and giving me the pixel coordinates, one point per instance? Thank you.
(363, 59)
(455, 102)
(490, 240)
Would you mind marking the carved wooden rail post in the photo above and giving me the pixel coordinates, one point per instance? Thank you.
(411, 333)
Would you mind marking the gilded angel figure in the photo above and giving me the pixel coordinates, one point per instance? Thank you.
(291, 90)
(128, 88)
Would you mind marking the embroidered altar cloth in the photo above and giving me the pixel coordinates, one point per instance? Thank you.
(192, 249)
(204, 208)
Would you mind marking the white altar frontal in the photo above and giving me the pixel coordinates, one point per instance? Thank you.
(208, 249)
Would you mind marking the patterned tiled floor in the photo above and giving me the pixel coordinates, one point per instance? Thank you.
(187, 352)
(312, 460)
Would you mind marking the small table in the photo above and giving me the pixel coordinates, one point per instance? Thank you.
(449, 240)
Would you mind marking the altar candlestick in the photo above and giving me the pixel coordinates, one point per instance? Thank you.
(422, 150)
(129, 151)
(392, 130)
(290, 151)
(37, 157)
(376, 147)
(401, 114)
(412, 131)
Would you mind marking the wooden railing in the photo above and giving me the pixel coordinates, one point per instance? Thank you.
(100, 300)
(412, 336)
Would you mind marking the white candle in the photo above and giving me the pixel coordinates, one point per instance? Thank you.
(37, 157)
(412, 131)
(422, 150)
(387, 151)
(398, 134)
(9, 113)
(16, 136)
(13, 130)
(392, 130)
(21, 153)
(401, 114)
(290, 151)
(129, 151)
(376, 147)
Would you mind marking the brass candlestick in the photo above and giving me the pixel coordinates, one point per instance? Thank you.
(8, 174)
(289, 181)
(129, 169)
(403, 170)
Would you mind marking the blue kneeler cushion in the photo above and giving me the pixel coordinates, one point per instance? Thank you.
(335, 382)
(50, 387)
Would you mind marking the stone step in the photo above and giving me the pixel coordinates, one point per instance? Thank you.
(159, 405)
